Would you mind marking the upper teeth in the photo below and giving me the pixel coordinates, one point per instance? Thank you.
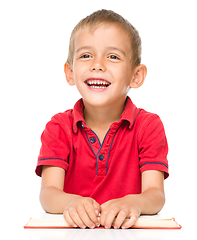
(97, 82)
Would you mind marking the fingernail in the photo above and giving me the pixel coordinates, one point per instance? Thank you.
(83, 227)
(74, 225)
(106, 227)
(97, 212)
(123, 227)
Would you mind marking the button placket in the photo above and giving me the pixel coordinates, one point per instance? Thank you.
(101, 157)
(92, 139)
(101, 151)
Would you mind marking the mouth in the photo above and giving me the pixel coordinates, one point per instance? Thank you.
(97, 83)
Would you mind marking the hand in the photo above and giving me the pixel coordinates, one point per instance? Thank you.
(116, 211)
(82, 212)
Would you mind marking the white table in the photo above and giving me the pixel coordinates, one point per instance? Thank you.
(108, 234)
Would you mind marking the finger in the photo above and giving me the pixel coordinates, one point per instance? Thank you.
(104, 211)
(130, 222)
(85, 213)
(88, 216)
(76, 218)
(97, 208)
(108, 217)
(103, 217)
(121, 218)
(92, 219)
(68, 218)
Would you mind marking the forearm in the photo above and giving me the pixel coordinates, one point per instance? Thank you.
(54, 200)
(150, 201)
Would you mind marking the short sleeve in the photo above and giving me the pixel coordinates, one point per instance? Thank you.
(55, 148)
(153, 146)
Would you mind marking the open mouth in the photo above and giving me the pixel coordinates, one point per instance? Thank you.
(97, 83)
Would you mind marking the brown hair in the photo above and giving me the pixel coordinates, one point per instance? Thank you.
(97, 18)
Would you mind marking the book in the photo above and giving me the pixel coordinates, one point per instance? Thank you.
(141, 223)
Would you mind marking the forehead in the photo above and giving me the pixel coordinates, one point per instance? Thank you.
(105, 35)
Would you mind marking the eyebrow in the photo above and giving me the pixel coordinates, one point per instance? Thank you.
(109, 48)
(84, 48)
(116, 49)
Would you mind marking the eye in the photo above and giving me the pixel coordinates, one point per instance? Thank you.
(85, 56)
(114, 57)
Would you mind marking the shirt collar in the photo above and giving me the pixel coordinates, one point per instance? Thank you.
(129, 114)
(78, 114)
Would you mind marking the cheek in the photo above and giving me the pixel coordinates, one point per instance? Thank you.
(121, 74)
(76, 72)
(79, 69)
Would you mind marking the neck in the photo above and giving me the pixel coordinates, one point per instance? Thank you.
(102, 117)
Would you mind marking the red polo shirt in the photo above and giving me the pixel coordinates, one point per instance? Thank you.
(134, 144)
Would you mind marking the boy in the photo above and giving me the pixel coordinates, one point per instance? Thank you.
(105, 157)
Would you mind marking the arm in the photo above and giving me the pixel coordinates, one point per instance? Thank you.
(77, 210)
(152, 196)
(52, 197)
(150, 201)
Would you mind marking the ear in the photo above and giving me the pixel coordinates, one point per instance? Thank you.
(69, 74)
(139, 76)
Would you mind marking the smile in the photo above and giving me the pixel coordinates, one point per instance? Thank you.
(97, 83)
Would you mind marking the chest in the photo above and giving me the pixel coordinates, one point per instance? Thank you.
(100, 154)
(100, 134)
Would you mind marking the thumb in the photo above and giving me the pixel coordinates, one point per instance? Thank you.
(97, 208)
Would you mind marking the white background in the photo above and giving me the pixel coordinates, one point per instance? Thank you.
(34, 37)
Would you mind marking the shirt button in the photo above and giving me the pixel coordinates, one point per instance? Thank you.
(101, 156)
(92, 140)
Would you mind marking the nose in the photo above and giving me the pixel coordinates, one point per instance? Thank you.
(98, 65)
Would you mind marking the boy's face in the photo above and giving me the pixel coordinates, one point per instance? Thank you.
(102, 69)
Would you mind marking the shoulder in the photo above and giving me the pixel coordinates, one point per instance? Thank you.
(63, 117)
(148, 122)
(71, 117)
(146, 117)
(60, 125)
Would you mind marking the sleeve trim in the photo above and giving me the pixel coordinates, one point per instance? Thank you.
(154, 163)
(159, 166)
(50, 158)
(52, 161)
